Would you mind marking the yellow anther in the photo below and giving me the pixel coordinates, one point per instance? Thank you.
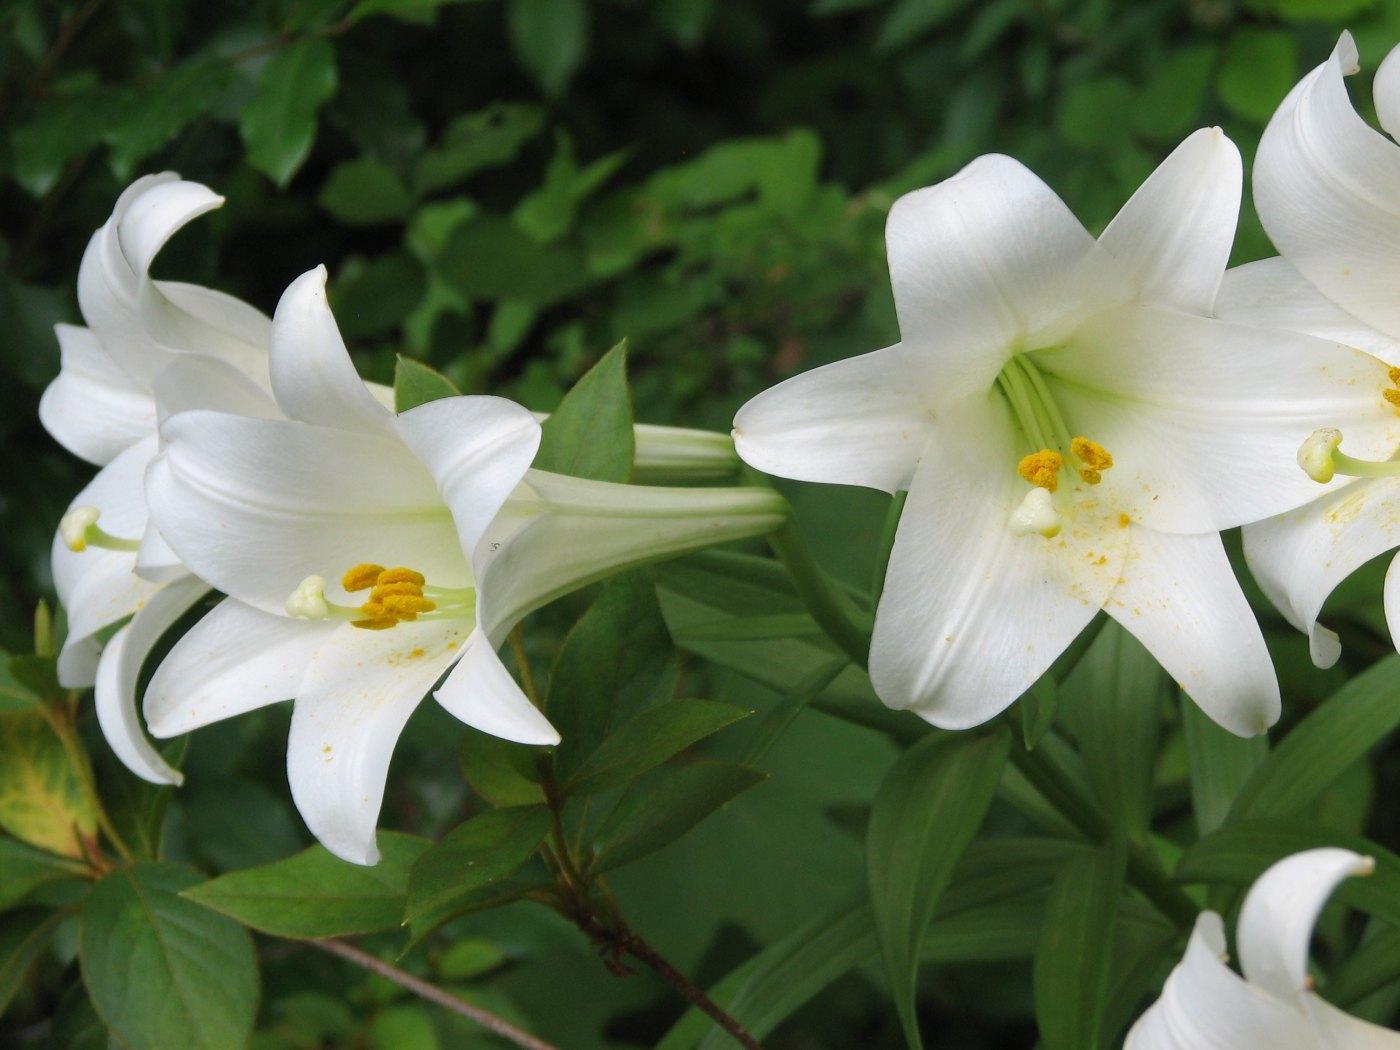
(1393, 396)
(1090, 476)
(1394, 374)
(386, 590)
(400, 575)
(407, 606)
(1091, 453)
(1042, 469)
(375, 624)
(361, 576)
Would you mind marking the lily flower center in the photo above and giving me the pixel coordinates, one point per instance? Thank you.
(398, 595)
(1056, 452)
(79, 530)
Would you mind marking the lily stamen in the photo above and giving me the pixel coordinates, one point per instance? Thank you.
(1321, 459)
(79, 531)
(398, 595)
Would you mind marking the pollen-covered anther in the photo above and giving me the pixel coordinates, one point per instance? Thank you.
(406, 606)
(400, 575)
(361, 576)
(1036, 514)
(1042, 469)
(1093, 457)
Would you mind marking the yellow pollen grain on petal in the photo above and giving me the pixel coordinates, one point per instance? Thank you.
(361, 576)
(1090, 476)
(1124, 521)
(1041, 469)
(1093, 455)
(401, 575)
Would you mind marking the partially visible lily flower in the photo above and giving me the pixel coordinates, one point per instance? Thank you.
(1205, 1005)
(107, 564)
(1327, 187)
(1074, 429)
(365, 554)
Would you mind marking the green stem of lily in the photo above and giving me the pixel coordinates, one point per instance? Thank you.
(886, 547)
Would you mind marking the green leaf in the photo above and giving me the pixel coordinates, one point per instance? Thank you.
(1259, 68)
(279, 122)
(23, 935)
(615, 662)
(16, 694)
(41, 801)
(1220, 764)
(1073, 957)
(549, 38)
(162, 970)
(1168, 104)
(365, 192)
(1238, 854)
(489, 257)
(1113, 703)
(777, 981)
(547, 213)
(1096, 114)
(473, 142)
(1322, 746)
(590, 434)
(23, 869)
(648, 740)
(656, 811)
(405, 8)
(910, 19)
(416, 384)
(1375, 964)
(474, 856)
(500, 771)
(531, 878)
(927, 811)
(315, 894)
(1038, 706)
(153, 114)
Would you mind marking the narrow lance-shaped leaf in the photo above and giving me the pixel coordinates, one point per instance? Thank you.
(1322, 746)
(926, 813)
(23, 935)
(1075, 952)
(590, 434)
(163, 970)
(649, 739)
(1220, 763)
(416, 384)
(314, 894)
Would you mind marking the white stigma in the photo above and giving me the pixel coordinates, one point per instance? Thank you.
(308, 601)
(1036, 514)
(1315, 455)
(73, 527)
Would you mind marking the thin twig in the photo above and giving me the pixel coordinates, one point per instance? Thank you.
(640, 950)
(433, 994)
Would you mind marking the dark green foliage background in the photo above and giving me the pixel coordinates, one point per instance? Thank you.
(504, 190)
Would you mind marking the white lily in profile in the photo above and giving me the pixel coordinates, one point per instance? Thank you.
(1074, 429)
(1327, 187)
(365, 554)
(107, 564)
(1205, 1005)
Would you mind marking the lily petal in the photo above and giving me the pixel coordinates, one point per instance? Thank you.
(1327, 186)
(1207, 1006)
(92, 408)
(350, 709)
(1179, 597)
(195, 382)
(482, 693)
(1277, 917)
(236, 659)
(1385, 92)
(1271, 293)
(972, 615)
(557, 534)
(1300, 557)
(313, 378)
(477, 449)
(986, 261)
(1175, 233)
(120, 671)
(254, 506)
(852, 422)
(1204, 417)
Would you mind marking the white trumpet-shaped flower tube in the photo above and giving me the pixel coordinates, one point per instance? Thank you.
(365, 555)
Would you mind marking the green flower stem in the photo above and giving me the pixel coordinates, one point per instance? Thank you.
(887, 535)
(1144, 870)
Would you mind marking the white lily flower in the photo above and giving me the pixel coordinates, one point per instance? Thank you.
(296, 520)
(107, 564)
(1074, 429)
(1205, 1005)
(1326, 187)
